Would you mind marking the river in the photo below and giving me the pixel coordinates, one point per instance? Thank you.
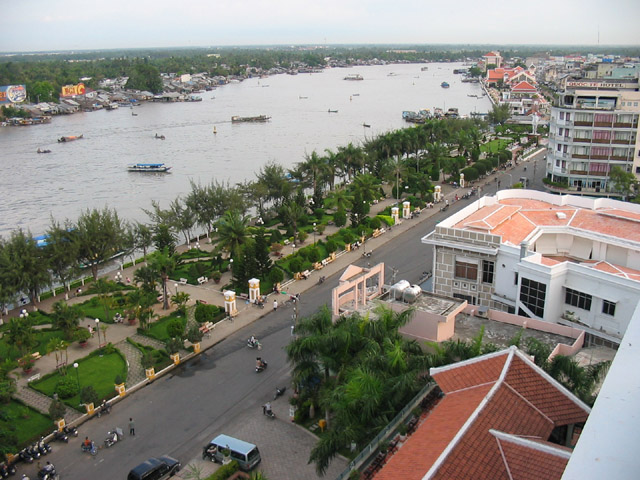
(91, 172)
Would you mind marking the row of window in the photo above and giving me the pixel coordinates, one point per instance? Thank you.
(533, 295)
(583, 301)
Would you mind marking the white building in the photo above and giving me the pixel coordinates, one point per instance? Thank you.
(593, 128)
(561, 259)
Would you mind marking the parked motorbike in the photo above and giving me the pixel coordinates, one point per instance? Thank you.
(60, 436)
(260, 365)
(70, 430)
(279, 392)
(92, 449)
(367, 254)
(43, 448)
(24, 456)
(6, 470)
(104, 408)
(254, 344)
(33, 451)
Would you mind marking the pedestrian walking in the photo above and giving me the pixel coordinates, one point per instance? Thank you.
(132, 427)
(275, 305)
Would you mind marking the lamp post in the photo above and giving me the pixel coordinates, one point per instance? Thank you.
(176, 285)
(314, 234)
(98, 330)
(231, 268)
(24, 313)
(510, 179)
(75, 366)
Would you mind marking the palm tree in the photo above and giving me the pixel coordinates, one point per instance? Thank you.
(21, 335)
(339, 199)
(332, 167)
(103, 288)
(352, 158)
(58, 346)
(163, 265)
(232, 231)
(66, 317)
(292, 213)
(367, 187)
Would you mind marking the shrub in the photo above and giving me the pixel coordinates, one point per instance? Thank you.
(388, 219)
(276, 247)
(302, 236)
(313, 255)
(331, 245)
(205, 313)
(147, 360)
(173, 345)
(470, 174)
(57, 409)
(340, 218)
(276, 236)
(375, 223)
(295, 265)
(320, 229)
(225, 471)
(88, 394)
(276, 275)
(175, 328)
(194, 335)
(67, 387)
(118, 380)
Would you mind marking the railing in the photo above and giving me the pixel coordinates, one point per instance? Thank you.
(370, 449)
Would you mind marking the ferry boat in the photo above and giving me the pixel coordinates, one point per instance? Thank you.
(444, 85)
(424, 69)
(70, 138)
(354, 76)
(149, 168)
(259, 118)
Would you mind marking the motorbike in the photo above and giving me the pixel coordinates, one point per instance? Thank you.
(321, 279)
(60, 436)
(254, 344)
(104, 408)
(70, 430)
(113, 437)
(268, 412)
(92, 449)
(48, 472)
(24, 456)
(367, 254)
(261, 367)
(33, 451)
(43, 448)
(279, 392)
(6, 470)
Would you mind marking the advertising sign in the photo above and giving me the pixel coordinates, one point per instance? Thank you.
(12, 94)
(72, 90)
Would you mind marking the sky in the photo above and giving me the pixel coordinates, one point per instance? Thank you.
(46, 25)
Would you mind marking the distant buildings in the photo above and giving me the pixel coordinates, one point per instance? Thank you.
(594, 127)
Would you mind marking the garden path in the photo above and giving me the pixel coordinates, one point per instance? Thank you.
(133, 355)
(41, 402)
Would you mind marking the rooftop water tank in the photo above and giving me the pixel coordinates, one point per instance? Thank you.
(398, 288)
(410, 294)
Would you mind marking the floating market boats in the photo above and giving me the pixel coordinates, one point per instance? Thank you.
(149, 168)
(259, 118)
(416, 117)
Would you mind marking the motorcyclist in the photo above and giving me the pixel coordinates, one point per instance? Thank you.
(259, 363)
(48, 468)
(87, 443)
(253, 341)
(267, 409)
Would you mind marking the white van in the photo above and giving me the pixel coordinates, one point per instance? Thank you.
(246, 454)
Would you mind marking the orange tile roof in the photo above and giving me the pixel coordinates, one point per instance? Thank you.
(532, 460)
(523, 86)
(502, 391)
(607, 267)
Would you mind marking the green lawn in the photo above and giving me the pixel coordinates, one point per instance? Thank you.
(158, 330)
(29, 424)
(100, 372)
(494, 146)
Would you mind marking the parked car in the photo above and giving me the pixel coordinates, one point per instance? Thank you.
(156, 468)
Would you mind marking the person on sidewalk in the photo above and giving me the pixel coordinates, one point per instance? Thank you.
(132, 427)
(275, 305)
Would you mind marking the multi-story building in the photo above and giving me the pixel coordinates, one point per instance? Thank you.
(594, 127)
(561, 259)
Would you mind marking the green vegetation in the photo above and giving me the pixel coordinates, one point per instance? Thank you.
(95, 370)
(160, 329)
(20, 425)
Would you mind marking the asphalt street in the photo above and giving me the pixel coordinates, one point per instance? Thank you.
(219, 391)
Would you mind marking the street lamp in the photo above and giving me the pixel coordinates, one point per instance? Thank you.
(176, 285)
(314, 234)
(231, 268)
(98, 330)
(510, 179)
(75, 366)
(24, 313)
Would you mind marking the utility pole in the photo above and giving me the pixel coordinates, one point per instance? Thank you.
(393, 276)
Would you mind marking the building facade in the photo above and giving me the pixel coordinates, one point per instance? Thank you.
(561, 259)
(593, 128)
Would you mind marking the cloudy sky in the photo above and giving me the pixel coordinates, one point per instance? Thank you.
(42, 25)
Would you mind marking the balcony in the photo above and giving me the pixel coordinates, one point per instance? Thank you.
(578, 172)
(603, 124)
(601, 140)
(623, 125)
(576, 155)
(620, 158)
(621, 141)
(582, 140)
(583, 124)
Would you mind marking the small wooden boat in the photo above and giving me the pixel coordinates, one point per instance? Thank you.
(70, 138)
(159, 137)
(444, 85)
(366, 125)
(332, 111)
(354, 76)
(149, 168)
(43, 151)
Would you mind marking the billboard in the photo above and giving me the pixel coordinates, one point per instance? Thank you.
(72, 90)
(12, 94)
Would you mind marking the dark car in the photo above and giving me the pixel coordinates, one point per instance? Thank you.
(156, 468)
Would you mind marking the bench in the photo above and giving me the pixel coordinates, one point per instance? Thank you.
(202, 280)
(205, 328)
(183, 281)
(33, 377)
(318, 265)
(305, 274)
(36, 356)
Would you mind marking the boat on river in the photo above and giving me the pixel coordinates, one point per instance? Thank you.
(70, 138)
(259, 118)
(424, 69)
(354, 76)
(149, 168)
(444, 85)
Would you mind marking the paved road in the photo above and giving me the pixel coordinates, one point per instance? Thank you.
(220, 391)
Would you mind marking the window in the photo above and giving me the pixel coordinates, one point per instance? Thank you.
(560, 130)
(568, 116)
(532, 295)
(466, 270)
(487, 271)
(515, 279)
(608, 308)
(470, 300)
(561, 115)
(577, 299)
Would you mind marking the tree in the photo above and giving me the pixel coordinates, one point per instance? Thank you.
(103, 288)
(180, 300)
(163, 238)
(66, 317)
(99, 236)
(291, 214)
(175, 328)
(21, 335)
(143, 238)
(145, 76)
(26, 265)
(163, 264)
(262, 259)
(57, 409)
(499, 114)
(622, 180)
(232, 231)
(61, 252)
